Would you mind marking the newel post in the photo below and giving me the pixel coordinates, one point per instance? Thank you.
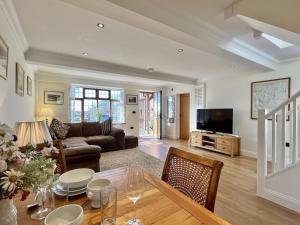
(261, 151)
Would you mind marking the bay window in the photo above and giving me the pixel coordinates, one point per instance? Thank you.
(91, 105)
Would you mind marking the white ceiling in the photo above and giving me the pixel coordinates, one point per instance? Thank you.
(146, 33)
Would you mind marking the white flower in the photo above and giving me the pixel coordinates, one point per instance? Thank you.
(3, 166)
(11, 180)
(46, 151)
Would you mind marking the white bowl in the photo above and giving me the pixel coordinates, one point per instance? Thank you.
(65, 215)
(94, 188)
(76, 178)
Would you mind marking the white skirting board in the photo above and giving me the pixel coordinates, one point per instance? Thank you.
(252, 154)
(281, 199)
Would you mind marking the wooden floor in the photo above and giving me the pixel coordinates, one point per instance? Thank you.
(236, 199)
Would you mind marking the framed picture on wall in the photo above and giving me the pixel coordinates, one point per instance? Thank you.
(54, 97)
(20, 74)
(131, 99)
(29, 86)
(3, 59)
(269, 94)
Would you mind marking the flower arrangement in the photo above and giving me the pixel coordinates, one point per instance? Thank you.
(22, 169)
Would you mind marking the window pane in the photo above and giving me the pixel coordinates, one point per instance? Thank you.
(90, 110)
(116, 95)
(117, 112)
(103, 112)
(90, 93)
(103, 94)
(78, 91)
(117, 106)
(76, 111)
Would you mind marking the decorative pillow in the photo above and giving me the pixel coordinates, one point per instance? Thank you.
(105, 127)
(60, 129)
(52, 133)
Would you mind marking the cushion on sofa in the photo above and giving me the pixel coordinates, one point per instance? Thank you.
(82, 150)
(100, 140)
(75, 130)
(74, 141)
(60, 129)
(52, 133)
(105, 127)
(90, 129)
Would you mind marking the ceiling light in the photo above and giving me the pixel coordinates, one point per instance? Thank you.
(150, 70)
(100, 25)
(85, 53)
(180, 50)
(276, 41)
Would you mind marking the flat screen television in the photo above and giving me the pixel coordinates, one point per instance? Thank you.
(215, 120)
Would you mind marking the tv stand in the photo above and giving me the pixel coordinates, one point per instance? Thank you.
(226, 144)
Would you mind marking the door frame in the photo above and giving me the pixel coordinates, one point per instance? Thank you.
(158, 116)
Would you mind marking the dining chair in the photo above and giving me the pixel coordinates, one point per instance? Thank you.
(195, 176)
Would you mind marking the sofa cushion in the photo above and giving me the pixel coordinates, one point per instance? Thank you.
(105, 127)
(60, 129)
(90, 129)
(82, 150)
(74, 141)
(75, 130)
(52, 133)
(100, 140)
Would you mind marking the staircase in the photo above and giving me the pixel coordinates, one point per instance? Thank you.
(278, 159)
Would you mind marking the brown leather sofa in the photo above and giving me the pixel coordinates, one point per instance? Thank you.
(84, 143)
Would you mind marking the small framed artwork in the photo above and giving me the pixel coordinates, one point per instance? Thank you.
(20, 74)
(131, 99)
(3, 59)
(269, 94)
(54, 97)
(29, 86)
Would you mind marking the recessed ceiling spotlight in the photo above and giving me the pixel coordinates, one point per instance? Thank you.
(150, 70)
(85, 53)
(180, 50)
(100, 25)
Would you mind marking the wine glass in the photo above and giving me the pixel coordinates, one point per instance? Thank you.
(135, 189)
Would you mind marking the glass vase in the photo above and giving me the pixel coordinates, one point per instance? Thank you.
(8, 212)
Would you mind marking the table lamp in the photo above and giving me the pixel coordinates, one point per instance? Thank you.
(46, 112)
(34, 133)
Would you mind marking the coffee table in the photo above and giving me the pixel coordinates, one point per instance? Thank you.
(161, 204)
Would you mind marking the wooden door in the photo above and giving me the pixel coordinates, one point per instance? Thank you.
(184, 116)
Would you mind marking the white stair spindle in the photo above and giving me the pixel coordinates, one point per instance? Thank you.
(261, 152)
(298, 131)
(274, 143)
(278, 141)
(293, 135)
(283, 138)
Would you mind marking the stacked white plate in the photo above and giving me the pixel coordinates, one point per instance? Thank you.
(73, 182)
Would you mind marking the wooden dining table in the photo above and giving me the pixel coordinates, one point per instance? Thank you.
(161, 204)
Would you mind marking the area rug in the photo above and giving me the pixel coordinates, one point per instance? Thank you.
(122, 158)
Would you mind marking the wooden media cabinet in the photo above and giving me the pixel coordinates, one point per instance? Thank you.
(226, 144)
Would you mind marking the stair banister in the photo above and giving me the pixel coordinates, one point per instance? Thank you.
(261, 151)
(295, 96)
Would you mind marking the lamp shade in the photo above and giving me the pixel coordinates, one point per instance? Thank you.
(34, 133)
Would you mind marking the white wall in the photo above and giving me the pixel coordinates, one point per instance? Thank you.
(13, 107)
(235, 92)
(56, 82)
(171, 130)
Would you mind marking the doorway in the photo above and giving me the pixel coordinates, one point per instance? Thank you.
(150, 125)
(184, 116)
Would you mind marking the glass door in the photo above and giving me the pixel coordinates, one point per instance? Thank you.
(150, 114)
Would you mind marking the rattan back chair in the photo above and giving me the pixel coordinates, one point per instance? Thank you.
(195, 176)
